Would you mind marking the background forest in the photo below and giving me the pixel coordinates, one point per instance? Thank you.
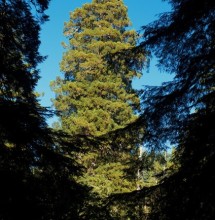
(107, 157)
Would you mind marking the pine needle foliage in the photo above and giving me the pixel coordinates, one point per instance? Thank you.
(91, 98)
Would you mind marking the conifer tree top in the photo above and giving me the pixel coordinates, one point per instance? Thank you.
(92, 97)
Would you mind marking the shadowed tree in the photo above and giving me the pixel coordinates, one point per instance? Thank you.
(36, 167)
(182, 110)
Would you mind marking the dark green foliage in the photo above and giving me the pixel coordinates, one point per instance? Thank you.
(189, 193)
(183, 42)
(37, 166)
(182, 110)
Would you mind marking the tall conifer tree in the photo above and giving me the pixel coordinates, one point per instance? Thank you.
(92, 99)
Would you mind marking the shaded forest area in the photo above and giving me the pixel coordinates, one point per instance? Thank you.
(90, 164)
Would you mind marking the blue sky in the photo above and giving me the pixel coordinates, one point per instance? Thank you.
(141, 12)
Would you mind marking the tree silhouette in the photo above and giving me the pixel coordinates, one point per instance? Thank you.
(37, 168)
(182, 110)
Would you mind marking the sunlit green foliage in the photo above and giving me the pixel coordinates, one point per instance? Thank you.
(92, 98)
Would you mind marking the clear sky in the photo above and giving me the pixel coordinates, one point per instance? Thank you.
(141, 12)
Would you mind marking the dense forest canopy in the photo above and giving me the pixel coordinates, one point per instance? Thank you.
(91, 165)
